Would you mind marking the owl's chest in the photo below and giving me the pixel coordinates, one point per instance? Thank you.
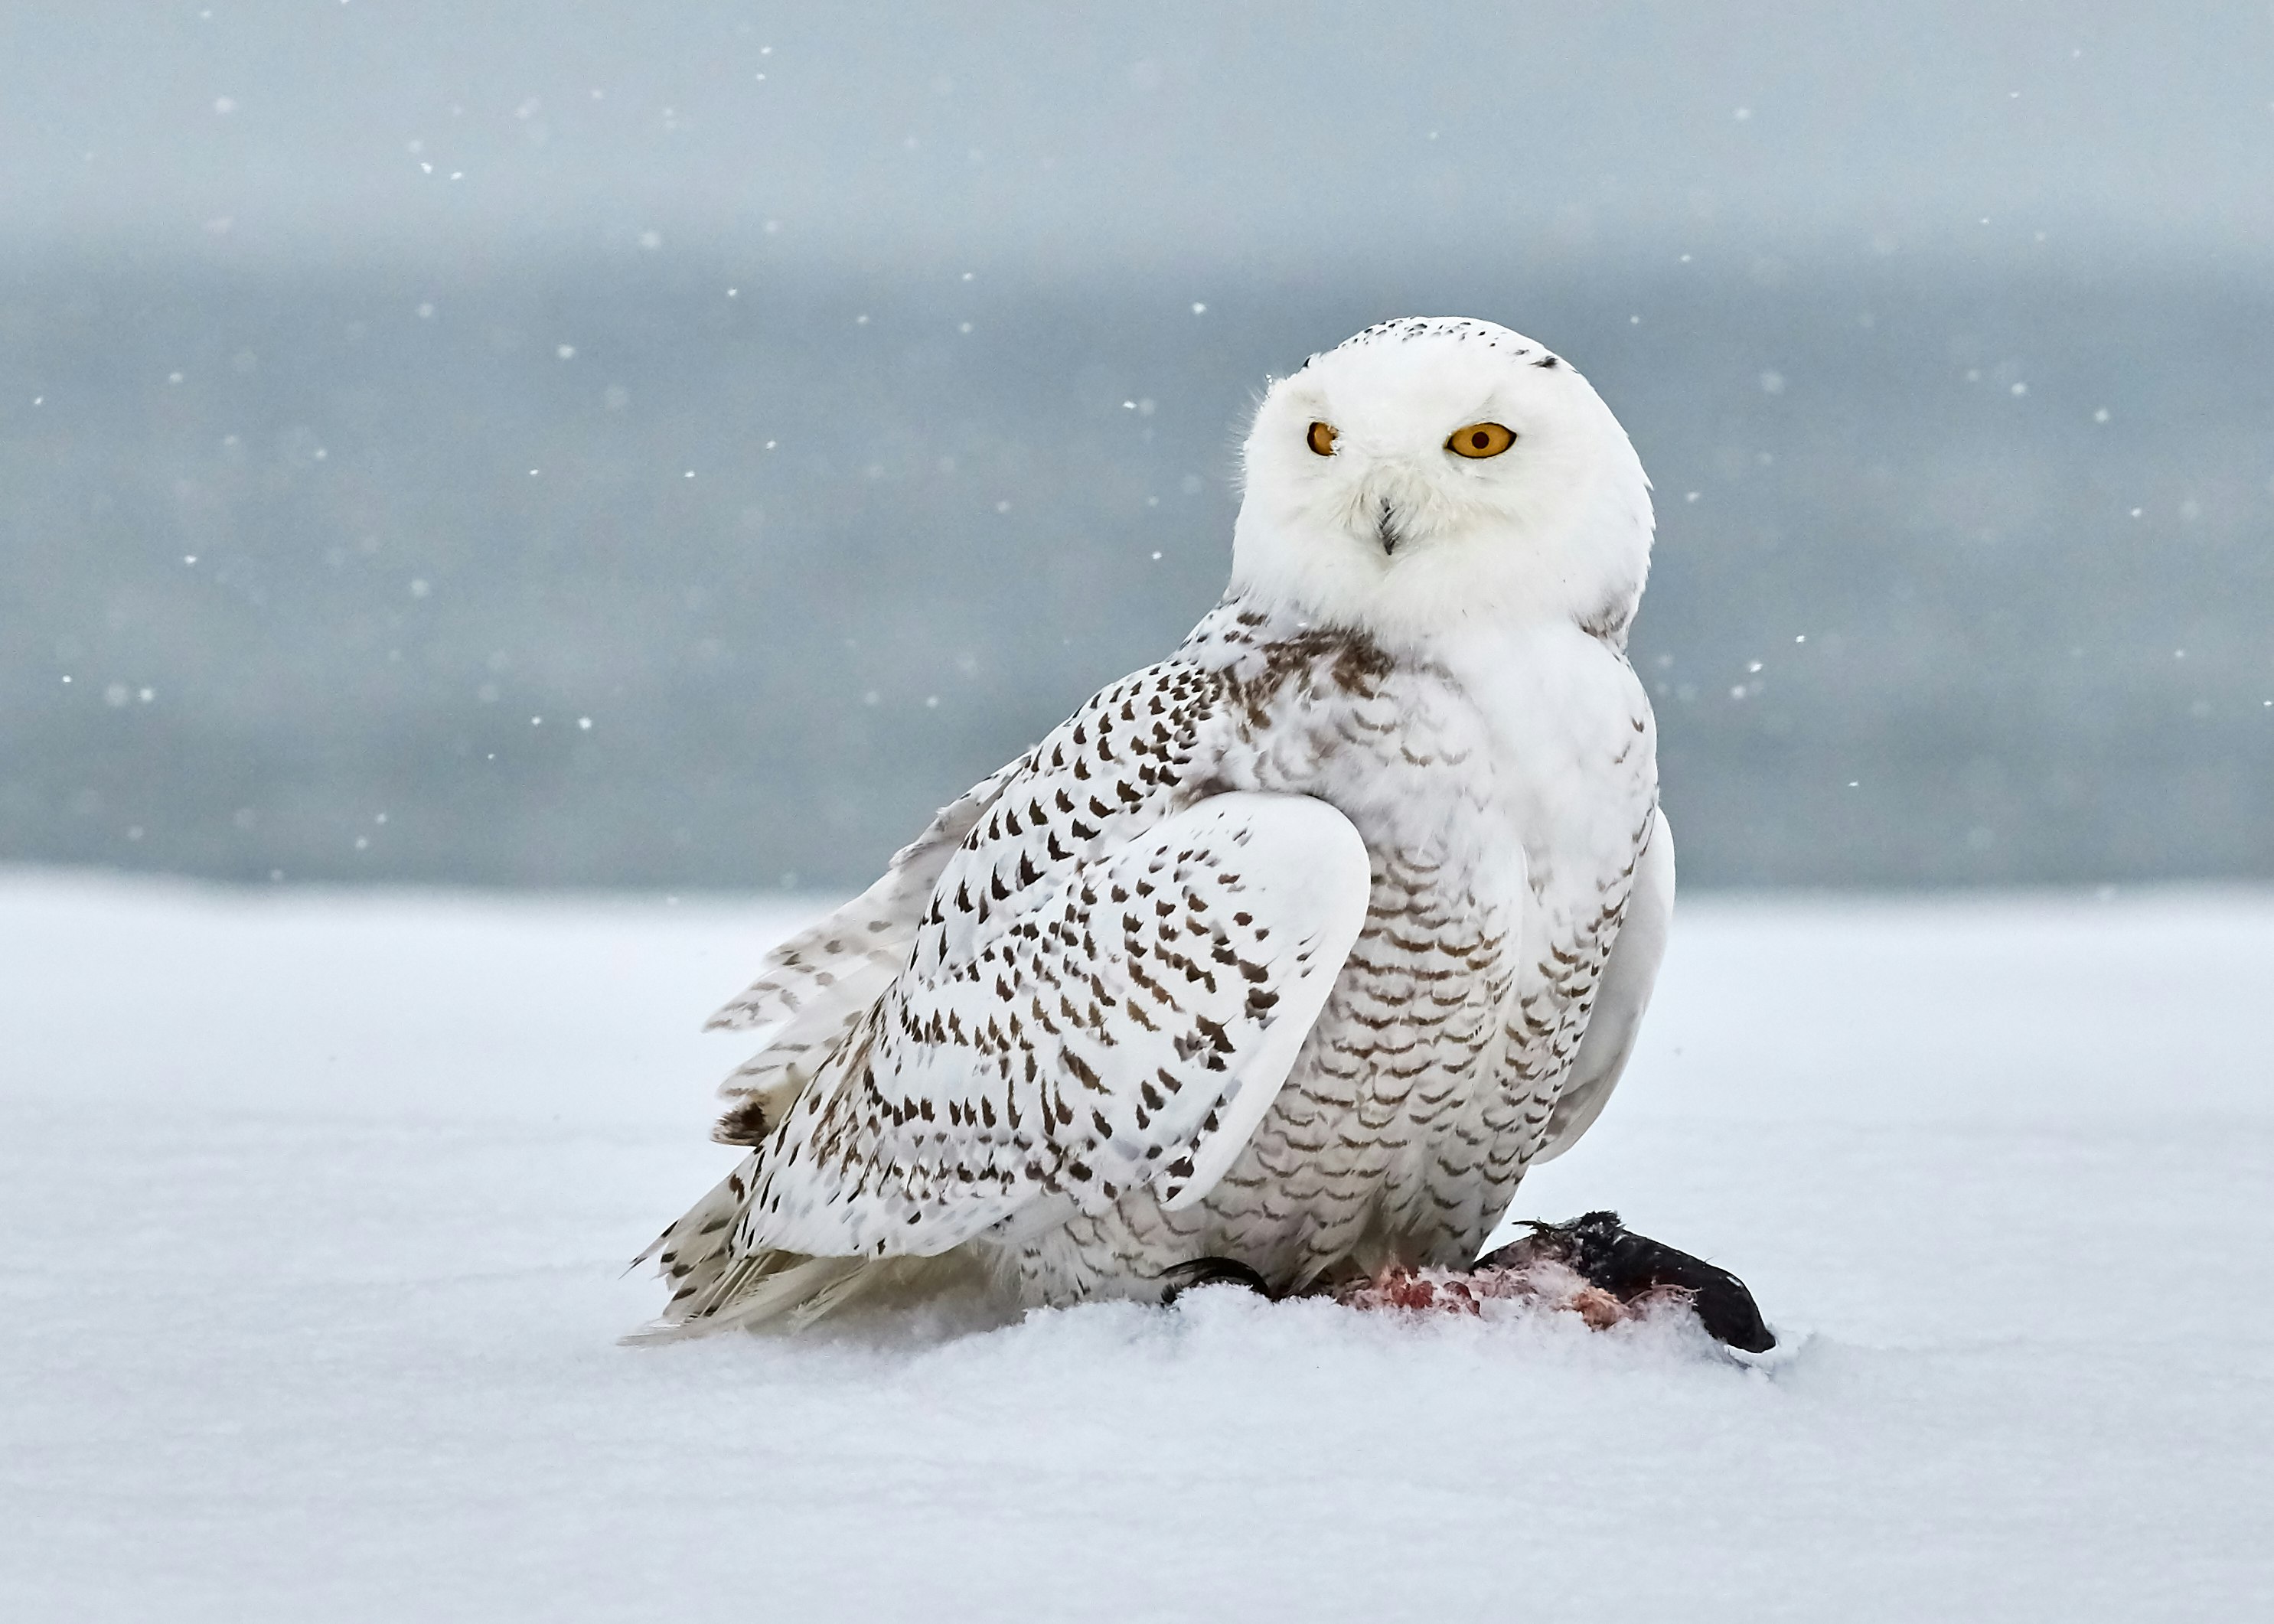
(1521, 783)
(1503, 801)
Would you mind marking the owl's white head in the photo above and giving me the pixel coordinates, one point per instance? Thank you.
(1432, 473)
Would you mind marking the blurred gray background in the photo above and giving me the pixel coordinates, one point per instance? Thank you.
(678, 445)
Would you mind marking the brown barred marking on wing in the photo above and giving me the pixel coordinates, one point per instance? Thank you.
(1059, 950)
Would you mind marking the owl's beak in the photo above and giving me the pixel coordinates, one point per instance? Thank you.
(1385, 529)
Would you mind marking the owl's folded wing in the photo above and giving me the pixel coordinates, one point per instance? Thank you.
(1621, 997)
(1130, 1030)
(814, 987)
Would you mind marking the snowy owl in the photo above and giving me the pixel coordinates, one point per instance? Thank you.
(1279, 960)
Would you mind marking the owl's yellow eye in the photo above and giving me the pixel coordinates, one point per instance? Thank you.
(1480, 439)
(1323, 438)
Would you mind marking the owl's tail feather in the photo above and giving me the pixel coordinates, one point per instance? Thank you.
(716, 1289)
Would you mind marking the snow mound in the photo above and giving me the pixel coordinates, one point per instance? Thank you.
(316, 1211)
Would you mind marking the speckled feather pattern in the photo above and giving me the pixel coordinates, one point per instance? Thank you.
(1020, 1040)
(1295, 949)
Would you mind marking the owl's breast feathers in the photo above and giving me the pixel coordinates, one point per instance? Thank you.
(1133, 981)
(1503, 816)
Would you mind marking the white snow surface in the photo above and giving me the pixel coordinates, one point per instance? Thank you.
(314, 1210)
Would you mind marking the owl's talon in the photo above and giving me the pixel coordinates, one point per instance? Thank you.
(1210, 1272)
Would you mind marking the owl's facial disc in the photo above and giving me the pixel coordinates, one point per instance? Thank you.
(1473, 442)
(1415, 435)
(1430, 465)
(1407, 471)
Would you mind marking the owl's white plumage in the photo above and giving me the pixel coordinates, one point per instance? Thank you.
(1295, 949)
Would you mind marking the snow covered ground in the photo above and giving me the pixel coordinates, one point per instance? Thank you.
(314, 1210)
